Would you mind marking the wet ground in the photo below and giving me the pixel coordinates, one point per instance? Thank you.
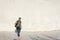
(52, 35)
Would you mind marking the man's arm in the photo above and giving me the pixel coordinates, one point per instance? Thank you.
(16, 24)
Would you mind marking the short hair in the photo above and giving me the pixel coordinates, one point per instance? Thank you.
(19, 17)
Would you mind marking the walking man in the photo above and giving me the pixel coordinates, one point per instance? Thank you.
(18, 26)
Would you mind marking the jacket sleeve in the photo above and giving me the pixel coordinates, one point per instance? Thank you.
(16, 24)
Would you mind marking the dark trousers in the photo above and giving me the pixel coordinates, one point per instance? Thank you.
(18, 31)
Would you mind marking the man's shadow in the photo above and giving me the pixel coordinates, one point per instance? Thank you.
(14, 39)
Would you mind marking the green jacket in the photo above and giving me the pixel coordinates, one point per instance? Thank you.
(18, 23)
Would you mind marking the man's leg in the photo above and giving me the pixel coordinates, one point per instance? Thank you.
(18, 32)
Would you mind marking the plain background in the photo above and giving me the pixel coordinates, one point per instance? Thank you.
(37, 15)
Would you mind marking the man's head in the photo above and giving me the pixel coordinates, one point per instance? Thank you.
(19, 18)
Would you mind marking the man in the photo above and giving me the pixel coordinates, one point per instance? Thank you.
(18, 26)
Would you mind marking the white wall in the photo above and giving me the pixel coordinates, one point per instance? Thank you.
(36, 14)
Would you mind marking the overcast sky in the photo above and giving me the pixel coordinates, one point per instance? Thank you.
(37, 15)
